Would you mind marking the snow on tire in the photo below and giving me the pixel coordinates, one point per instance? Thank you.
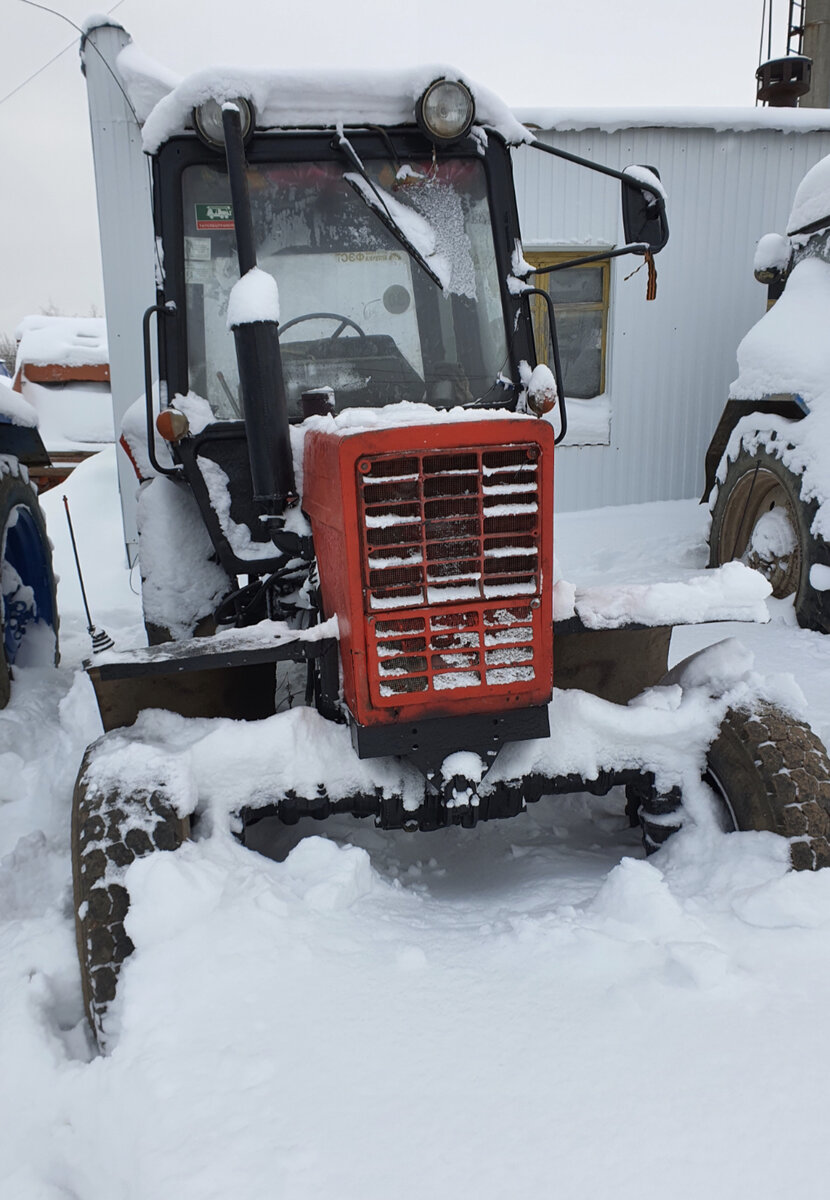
(110, 829)
(759, 516)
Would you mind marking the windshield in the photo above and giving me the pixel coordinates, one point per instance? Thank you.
(357, 312)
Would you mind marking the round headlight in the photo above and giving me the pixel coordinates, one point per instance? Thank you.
(207, 119)
(446, 110)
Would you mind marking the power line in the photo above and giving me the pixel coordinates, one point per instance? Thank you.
(59, 54)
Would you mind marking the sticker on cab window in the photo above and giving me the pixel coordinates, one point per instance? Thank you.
(214, 216)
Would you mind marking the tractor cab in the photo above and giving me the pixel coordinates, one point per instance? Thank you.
(388, 264)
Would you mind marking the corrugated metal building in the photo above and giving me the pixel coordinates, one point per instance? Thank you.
(730, 177)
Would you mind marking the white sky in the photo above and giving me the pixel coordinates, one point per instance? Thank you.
(559, 52)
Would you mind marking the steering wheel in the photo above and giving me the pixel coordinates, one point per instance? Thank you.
(329, 316)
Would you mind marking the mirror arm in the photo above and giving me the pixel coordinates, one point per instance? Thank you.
(557, 366)
(598, 167)
(631, 248)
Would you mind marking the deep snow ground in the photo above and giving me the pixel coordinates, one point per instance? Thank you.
(527, 1009)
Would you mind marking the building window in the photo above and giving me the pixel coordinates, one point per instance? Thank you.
(580, 299)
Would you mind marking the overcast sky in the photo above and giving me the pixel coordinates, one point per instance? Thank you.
(534, 52)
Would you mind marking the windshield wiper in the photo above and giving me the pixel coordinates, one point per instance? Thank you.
(375, 199)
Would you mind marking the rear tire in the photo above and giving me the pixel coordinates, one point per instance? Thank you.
(759, 487)
(110, 830)
(26, 577)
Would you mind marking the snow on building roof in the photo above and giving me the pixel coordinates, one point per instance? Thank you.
(721, 119)
(61, 341)
(292, 98)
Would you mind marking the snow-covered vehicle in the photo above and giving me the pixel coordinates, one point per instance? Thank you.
(346, 504)
(768, 464)
(29, 616)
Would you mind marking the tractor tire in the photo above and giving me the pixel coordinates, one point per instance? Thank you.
(109, 831)
(769, 771)
(26, 578)
(759, 517)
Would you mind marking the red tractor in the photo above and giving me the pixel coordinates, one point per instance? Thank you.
(346, 525)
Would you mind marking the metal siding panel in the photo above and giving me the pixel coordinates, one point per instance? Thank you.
(127, 241)
(669, 363)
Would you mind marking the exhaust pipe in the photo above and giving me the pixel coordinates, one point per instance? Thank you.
(264, 404)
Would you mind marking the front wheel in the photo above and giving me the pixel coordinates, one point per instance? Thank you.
(767, 771)
(770, 772)
(111, 827)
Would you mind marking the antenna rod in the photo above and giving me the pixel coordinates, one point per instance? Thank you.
(89, 624)
(101, 640)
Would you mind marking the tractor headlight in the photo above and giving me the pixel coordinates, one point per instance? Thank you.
(446, 110)
(207, 119)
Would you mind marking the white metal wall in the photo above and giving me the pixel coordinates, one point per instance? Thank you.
(670, 362)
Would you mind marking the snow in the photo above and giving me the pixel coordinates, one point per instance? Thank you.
(239, 536)
(722, 119)
(253, 298)
(731, 593)
(541, 388)
(812, 198)
(772, 253)
(395, 416)
(71, 416)
(295, 98)
(820, 577)
(185, 582)
(506, 995)
(14, 408)
(66, 341)
(146, 80)
(647, 177)
(788, 351)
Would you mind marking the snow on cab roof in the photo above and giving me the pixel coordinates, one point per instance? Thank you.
(296, 98)
(62, 341)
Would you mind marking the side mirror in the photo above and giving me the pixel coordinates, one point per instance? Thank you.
(773, 256)
(644, 208)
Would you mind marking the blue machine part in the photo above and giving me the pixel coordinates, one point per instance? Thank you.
(27, 586)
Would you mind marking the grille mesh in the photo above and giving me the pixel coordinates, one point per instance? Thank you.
(452, 536)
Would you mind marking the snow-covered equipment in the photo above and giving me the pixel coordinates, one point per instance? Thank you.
(29, 615)
(62, 372)
(345, 511)
(768, 464)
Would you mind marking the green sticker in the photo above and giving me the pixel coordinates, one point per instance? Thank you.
(214, 216)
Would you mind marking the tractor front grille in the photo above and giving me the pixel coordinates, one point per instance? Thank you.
(451, 570)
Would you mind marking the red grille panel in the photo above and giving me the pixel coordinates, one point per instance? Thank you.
(434, 546)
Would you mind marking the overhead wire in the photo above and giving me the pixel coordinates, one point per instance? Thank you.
(44, 8)
(55, 13)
